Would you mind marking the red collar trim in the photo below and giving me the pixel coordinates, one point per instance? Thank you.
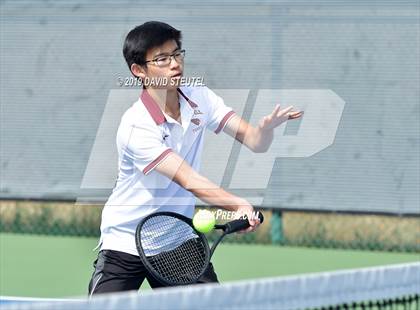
(192, 103)
(153, 108)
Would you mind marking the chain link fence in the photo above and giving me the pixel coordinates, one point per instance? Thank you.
(293, 228)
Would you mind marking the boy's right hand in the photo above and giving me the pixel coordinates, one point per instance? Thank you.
(248, 210)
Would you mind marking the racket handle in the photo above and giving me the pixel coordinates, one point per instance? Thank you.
(240, 224)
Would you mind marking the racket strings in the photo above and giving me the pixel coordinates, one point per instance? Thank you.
(180, 261)
(177, 265)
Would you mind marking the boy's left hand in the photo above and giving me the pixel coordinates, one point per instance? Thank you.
(277, 117)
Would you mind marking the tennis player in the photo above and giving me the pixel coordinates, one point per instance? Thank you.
(159, 142)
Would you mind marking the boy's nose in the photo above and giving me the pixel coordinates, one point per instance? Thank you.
(174, 64)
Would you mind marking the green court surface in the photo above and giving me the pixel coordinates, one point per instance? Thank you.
(45, 266)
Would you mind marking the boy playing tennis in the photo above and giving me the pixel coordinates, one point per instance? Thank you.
(159, 143)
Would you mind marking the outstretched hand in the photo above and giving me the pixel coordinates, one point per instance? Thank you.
(277, 117)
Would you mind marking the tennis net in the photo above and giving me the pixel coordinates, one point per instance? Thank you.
(385, 287)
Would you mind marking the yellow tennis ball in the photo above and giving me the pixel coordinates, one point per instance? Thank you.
(204, 221)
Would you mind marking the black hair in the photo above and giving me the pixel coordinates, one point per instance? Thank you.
(146, 36)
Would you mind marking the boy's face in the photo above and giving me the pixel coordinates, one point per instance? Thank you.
(154, 69)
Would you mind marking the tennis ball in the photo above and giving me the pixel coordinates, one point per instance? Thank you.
(204, 221)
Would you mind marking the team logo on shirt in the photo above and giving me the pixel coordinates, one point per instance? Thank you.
(196, 121)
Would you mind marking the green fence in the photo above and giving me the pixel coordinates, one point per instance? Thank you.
(311, 229)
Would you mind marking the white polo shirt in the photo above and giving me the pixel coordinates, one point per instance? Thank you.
(145, 137)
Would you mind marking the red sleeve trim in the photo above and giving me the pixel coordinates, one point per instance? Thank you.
(224, 121)
(154, 163)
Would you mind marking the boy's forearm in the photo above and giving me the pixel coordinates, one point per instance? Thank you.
(212, 194)
(259, 141)
(179, 171)
(254, 138)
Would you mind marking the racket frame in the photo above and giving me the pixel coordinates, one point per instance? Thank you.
(227, 228)
(149, 266)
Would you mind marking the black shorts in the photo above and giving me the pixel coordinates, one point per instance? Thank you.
(118, 271)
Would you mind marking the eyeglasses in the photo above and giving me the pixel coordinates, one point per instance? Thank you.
(165, 60)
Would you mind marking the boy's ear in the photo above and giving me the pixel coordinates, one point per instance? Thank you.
(138, 71)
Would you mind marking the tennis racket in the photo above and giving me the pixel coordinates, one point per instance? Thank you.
(183, 254)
